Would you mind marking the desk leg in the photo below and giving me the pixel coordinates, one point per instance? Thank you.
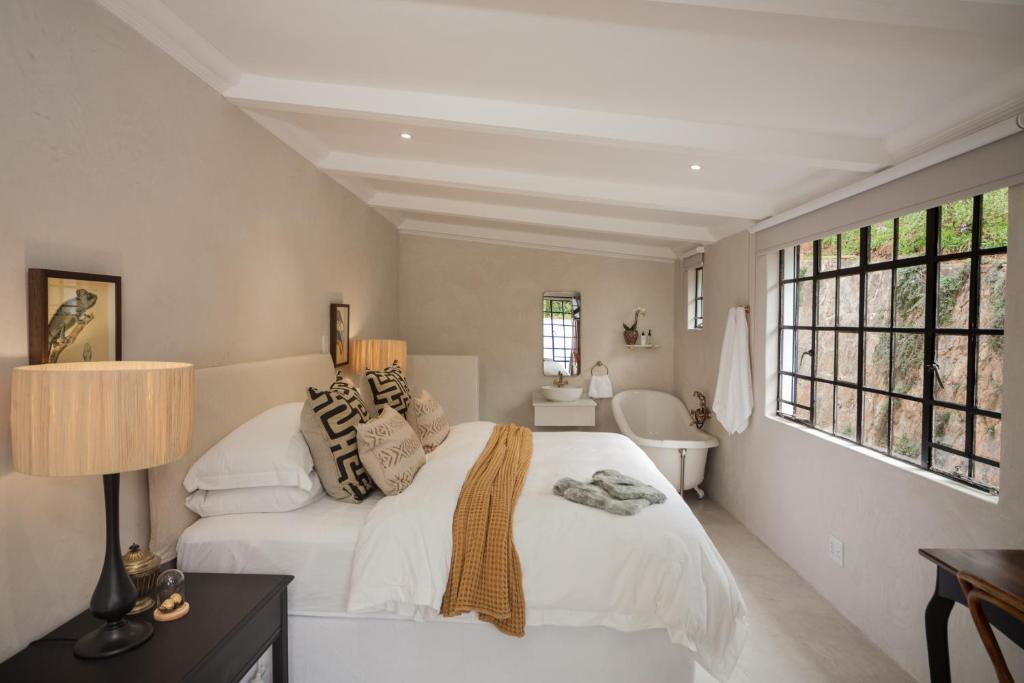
(936, 628)
(280, 652)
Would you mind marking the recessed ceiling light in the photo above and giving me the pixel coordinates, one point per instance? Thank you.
(695, 167)
(406, 136)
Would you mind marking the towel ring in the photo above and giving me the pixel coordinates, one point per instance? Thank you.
(597, 365)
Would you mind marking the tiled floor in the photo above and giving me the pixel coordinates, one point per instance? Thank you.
(796, 636)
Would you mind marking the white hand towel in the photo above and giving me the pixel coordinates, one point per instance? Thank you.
(734, 394)
(600, 386)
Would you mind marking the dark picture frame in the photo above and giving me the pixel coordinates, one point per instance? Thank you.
(340, 349)
(71, 316)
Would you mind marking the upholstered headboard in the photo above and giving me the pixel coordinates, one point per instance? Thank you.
(229, 395)
(226, 397)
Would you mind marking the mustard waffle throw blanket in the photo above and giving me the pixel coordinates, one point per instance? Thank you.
(485, 575)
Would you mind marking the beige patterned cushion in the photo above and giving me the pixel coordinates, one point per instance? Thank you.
(390, 451)
(428, 419)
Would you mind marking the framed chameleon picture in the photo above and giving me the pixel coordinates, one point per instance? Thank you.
(73, 317)
(339, 334)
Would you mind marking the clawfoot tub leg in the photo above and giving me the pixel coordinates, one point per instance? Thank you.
(700, 492)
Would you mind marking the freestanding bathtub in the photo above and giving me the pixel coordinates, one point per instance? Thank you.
(660, 424)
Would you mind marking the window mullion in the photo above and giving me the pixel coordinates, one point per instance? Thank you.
(931, 278)
(972, 335)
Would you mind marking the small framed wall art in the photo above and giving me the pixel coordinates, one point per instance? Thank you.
(73, 317)
(339, 334)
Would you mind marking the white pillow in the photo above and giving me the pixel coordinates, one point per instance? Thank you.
(268, 450)
(254, 499)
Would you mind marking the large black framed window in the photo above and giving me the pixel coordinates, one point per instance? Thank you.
(698, 298)
(891, 336)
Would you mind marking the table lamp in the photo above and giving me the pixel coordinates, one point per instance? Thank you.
(74, 419)
(377, 354)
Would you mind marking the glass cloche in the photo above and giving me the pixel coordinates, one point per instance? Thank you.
(170, 590)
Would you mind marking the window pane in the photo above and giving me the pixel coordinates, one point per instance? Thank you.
(825, 355)
(994, 218)
(912, 228)
(989, 378)
(881, 242)
(956, 226)
(805, 303)
(803, 392)
(876, 360)
(850, 249)
(875, 421)
(786, 408)
(992, 313)
(786, 361)
(879, 299)
(908, 364)
(824, 394)
(827, 303)
(949, 427)
(987, 434)
(949, 463)
(788, 299)
(804, 357)
(910, 289)
(906, 429)
(806, 259)
(789, 263)
(954, 294)
(849, 301)
(846, 412)
(986, 475)
(951, 357)
(848, 356)
(829, 253)
(786, 387)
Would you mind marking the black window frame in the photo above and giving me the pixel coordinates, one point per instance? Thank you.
(932, 260)
(698, 298)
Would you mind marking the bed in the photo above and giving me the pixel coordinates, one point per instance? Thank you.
(366, 579)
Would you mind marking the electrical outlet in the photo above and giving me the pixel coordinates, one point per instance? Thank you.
(323, 344)
(836, 551)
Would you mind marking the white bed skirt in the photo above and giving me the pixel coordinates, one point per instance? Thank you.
(368, 650)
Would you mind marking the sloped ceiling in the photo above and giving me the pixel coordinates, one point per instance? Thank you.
(574, 123)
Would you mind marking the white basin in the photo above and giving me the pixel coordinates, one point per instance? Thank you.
(553, 393)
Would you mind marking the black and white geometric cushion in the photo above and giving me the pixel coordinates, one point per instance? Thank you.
(329, 424)
(389, 388)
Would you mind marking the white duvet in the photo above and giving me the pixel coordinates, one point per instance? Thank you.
(581, 566)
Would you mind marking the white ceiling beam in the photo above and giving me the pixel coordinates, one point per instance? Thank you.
(678, 199)
(991, 17)
(623, 227)
(820, 150)
(577, 245)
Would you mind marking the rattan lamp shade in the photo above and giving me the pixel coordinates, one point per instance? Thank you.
(377, 354)
(71, 419)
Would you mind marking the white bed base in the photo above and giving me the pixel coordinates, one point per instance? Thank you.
(369, 650)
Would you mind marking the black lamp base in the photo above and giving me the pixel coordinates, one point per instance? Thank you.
(115, 593)
(113, 639)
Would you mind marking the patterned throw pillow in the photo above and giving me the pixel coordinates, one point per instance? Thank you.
(329, 419)
(389, 388)
(390, 451)
(428, 418)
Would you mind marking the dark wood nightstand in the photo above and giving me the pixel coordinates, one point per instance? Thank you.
(233, 619)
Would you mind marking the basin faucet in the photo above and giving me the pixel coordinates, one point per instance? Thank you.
(699, 416)
(561, 381)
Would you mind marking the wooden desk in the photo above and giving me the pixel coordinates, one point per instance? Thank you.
(233, 619)
(1002, 568)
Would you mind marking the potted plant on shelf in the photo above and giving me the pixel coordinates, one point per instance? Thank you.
(629, 332)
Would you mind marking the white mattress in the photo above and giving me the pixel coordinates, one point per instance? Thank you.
(314, 544)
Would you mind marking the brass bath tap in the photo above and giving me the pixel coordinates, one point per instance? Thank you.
(699, 416)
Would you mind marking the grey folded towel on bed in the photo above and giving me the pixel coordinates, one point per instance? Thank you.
(620, 486)
(610, 491)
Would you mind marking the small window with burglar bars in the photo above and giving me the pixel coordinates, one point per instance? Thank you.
(891, 336)
(698, 299)
(561, 333)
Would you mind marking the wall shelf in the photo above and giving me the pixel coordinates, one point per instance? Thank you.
(641, 346)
